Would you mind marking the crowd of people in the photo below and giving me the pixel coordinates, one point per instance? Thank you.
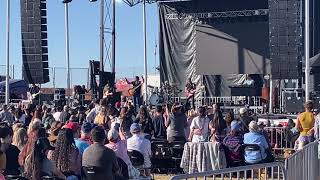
(38, 141)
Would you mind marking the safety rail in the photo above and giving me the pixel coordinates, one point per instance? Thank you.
(266, 171)
(280, 138)
(304, 164)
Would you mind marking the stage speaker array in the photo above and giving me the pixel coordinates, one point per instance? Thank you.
(34, 41)
(285, 38)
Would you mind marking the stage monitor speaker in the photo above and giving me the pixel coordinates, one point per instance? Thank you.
(293, 103)
(34, 41)
(285, 38)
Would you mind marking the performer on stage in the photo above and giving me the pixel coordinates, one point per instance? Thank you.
(136, 91)
(190, 90)
(35, 93)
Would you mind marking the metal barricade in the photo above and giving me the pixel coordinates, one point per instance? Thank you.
(279, 138)
(266, 171)
(304, 164)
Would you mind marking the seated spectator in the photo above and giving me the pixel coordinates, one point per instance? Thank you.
(233, 142)
(66, 156)
(84, 141)
(253, 155)
(38, 165)
(20, 138)
(139, 143)
(117, 142)
(176, 124)
(199, 128)
(158, 128)
(97, 155)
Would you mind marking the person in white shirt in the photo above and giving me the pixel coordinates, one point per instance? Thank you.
(139, 143)
(93, 112)
(57, 114)
(249, 81)
(199, 128)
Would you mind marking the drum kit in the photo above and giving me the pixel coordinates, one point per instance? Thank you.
(164, 94)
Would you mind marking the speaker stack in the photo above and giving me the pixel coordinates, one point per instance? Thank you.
(59, 97)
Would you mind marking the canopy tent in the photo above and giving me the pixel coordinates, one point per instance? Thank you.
(315, 61)
(18, 88)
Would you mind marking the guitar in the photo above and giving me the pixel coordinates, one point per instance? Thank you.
(131, 91)
(33, 96)
(192, 92)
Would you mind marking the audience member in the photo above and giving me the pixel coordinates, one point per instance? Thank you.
(20, 138)
(104, 158)
(158, 127)
(176, 124)
(38, 165)
(139, 143)
(305, 124)
(5, 115)
(65, 115)
(66, 156)
(199, 128)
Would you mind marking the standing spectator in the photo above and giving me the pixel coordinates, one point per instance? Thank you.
(158, 127)
(11, 151)
(86, 133)
(37, 163)
(65, 115)
(229, 118)
(81, 144)
(57, 114)
(81, 116)
(19, 116)
(305, 124)
(245, 119)
(47, 118)
(66, 156)
(144, 120)
(97, 155)
(176, 124)
(93, 112)
(139, 143)
(199, 127)
(102, 119)
(5, 115)
(28, 116)
(125, 121)
(20, 138)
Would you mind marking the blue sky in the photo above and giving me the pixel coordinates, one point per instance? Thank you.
(84, 38)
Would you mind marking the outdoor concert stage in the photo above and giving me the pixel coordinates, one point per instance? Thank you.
(216, 42)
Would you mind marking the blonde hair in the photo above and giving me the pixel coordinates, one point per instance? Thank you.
(33, 126)
(17, 126)
(19, 138)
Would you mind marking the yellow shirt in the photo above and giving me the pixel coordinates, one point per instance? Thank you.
(3, 161)
(307, 122)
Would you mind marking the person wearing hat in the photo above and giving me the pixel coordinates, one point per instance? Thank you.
(245, 119)
(139, 143)
(84, 141)
(38, 165)
(254, 137)
(233, 142)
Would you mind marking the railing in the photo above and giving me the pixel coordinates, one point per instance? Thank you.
(304, 164)
(258, 171)
(280, 138)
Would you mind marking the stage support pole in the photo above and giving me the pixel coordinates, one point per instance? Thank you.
(145, 52)
(113, 36)
(67, 51)
(7, 98)
(101, 36)
(306, 46)
(270, 95)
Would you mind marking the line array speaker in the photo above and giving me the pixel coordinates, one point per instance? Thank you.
(34, 41)
(285, 38)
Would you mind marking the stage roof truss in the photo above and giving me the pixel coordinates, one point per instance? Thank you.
(213, 15)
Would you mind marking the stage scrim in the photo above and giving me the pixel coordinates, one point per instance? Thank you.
(193, 43)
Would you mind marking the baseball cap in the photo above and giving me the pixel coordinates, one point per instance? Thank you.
(135, 127)
(86, 127)
(113, 134)
(242, 110)
(72, 125)
(235, 126)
